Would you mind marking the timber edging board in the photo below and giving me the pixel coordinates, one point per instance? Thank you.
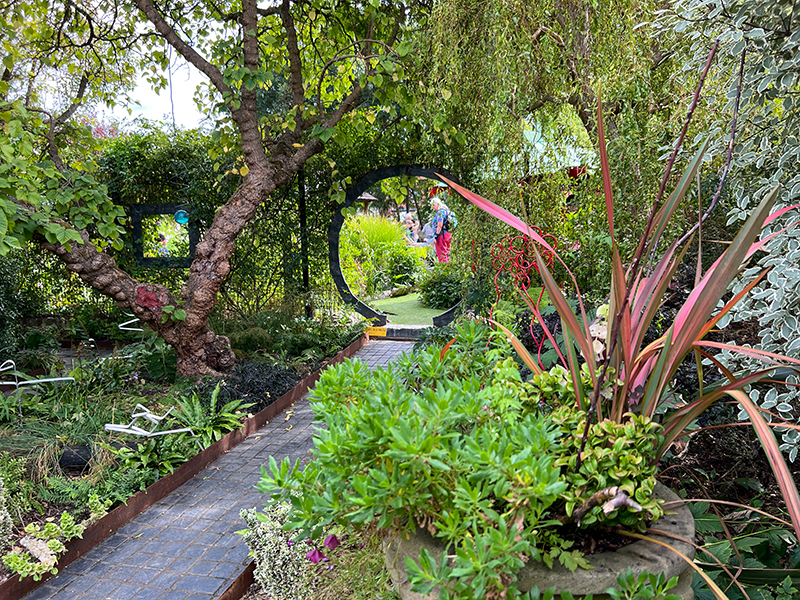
(15, 588)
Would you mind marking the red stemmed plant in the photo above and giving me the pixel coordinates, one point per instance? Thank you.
(639, 376)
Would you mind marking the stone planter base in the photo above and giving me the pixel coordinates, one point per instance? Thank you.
(640, 556)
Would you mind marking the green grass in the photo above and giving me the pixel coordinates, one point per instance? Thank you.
(406, 310)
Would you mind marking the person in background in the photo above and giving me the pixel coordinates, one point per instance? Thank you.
(428, 234)
(443, 237)
(161, 246)
(412, 229)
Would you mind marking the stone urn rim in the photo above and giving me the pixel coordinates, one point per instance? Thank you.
(641, 556)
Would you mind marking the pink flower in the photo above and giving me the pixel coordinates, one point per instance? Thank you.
(315, 556)
(331, 542)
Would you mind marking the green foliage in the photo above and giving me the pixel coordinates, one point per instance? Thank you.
(210, 422)
(24, 565)
(53, 535)
(151, 358)
(157, 456)
(113, 485)
(645, 586)
(402, 267)
(251, 340)
(616, 454)
(19, 493)
(441, 287)
(38, 349)
(435, 336)
(47, 192)
(457, 444)
(12, 303)
(288, 334)
(172, 313)
(374, 255)
(757, 550)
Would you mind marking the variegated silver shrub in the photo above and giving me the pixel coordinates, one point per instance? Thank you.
(6, 526)
(281, 565)
(767, 152)
(776, 305)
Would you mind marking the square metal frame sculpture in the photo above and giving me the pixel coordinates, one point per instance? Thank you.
(138, 212)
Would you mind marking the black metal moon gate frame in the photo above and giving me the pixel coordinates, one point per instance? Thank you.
(335, 228)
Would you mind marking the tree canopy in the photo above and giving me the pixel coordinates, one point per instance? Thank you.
(314, 64)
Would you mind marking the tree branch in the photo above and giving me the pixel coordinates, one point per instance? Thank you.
(185, 50)
(295, 61)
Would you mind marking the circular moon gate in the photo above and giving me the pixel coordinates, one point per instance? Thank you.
(335, 228)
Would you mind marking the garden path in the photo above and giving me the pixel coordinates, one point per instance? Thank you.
(185, 547)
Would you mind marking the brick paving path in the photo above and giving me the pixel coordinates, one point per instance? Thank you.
(185, 547)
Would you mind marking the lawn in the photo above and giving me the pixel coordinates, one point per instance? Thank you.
(406, 310)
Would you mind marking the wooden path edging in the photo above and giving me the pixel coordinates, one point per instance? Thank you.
(15, 588)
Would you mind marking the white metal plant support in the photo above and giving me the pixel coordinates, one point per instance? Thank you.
(10, 365)
(142, 412)
(126, 325)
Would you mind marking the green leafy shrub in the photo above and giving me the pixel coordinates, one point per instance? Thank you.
(97, 321)
(403, 266)
(150, 358)
(615, 455)
(435, 336)
(374, 254)
(251, 340)
(157, 456)
(441, 287)
(290, 335)
(460, 445)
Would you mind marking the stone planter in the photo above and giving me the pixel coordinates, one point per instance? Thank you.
(640, 556)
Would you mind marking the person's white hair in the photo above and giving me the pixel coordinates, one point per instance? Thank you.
(438, 201)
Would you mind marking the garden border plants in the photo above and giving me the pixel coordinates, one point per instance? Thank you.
(15, 588)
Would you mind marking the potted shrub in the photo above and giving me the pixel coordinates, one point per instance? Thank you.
(456, 444)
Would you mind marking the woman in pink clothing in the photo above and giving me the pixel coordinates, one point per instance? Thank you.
(442, 236)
